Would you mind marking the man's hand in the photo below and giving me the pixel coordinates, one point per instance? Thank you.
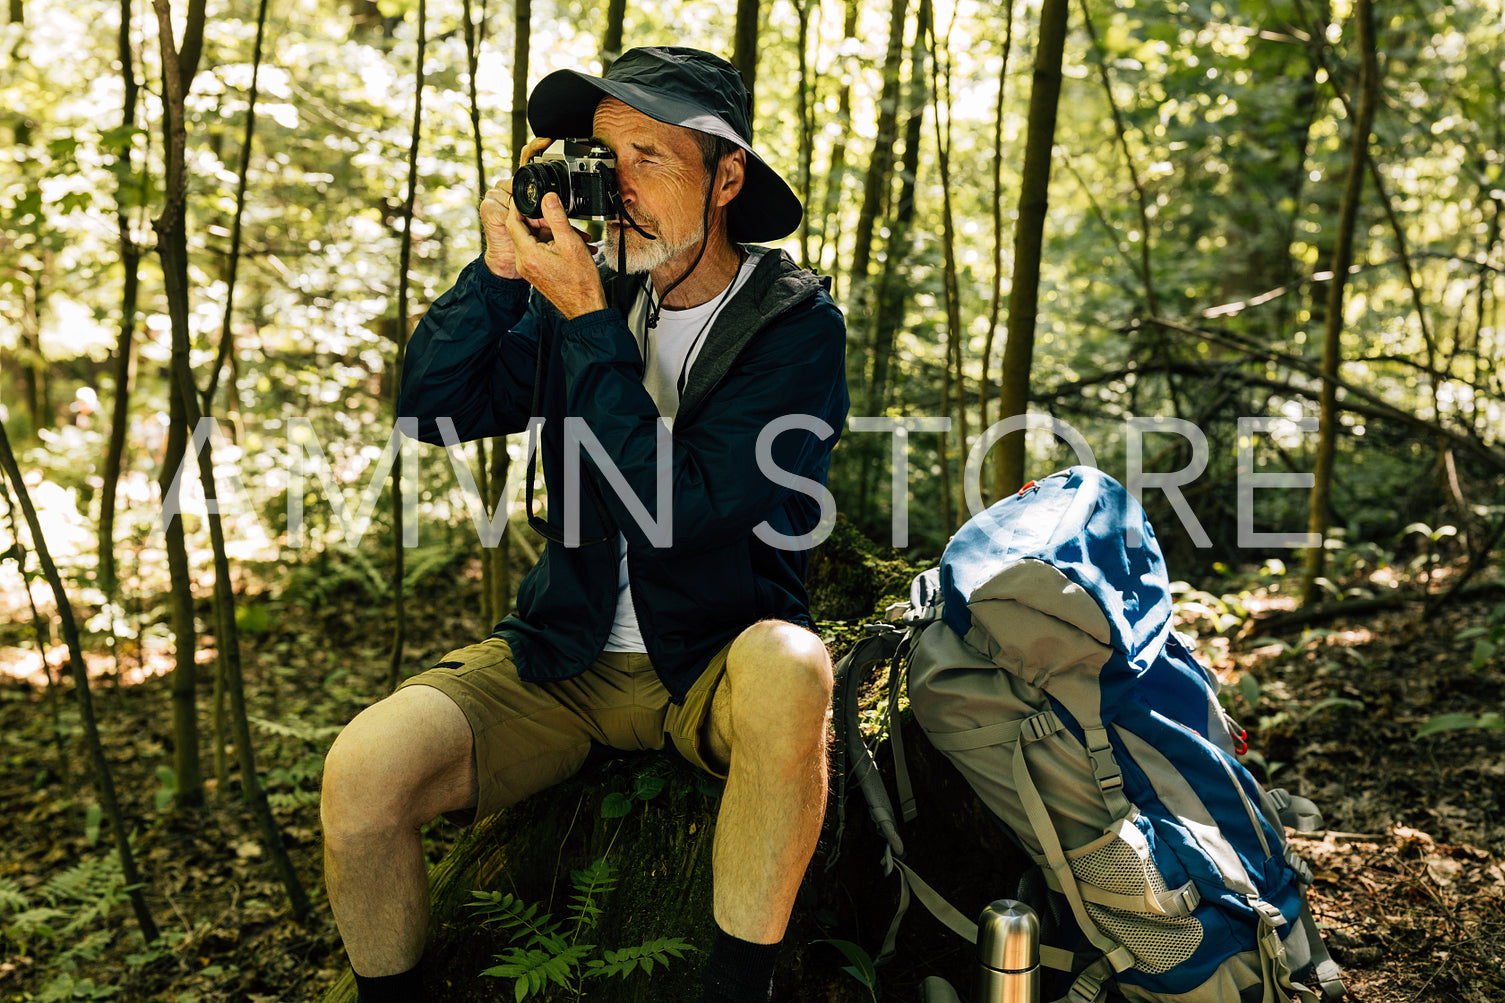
(500, 257)
(560, 264)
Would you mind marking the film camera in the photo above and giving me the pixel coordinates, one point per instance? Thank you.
(584, 176)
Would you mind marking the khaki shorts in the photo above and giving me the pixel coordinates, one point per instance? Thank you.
(530, 736)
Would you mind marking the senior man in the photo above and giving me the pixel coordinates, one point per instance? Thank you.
(687, 625)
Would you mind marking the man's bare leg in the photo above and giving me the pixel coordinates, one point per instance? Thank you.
(398, 765)
(768, 722)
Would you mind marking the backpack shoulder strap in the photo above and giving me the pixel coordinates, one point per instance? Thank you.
(853, 759)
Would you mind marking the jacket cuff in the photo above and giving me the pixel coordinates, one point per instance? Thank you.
(507, 294)
(605, 333)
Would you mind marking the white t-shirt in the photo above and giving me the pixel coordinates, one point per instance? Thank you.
(669, 350)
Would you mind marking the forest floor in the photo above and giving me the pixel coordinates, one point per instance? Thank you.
(1410, 873)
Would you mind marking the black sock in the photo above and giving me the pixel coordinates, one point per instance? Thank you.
(405, 987)
(739, 971)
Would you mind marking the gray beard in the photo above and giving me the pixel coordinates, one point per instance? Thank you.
(645, 255)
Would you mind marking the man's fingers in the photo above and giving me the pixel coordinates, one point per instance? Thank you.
(554, 216)
(517, 227)
(535, 146)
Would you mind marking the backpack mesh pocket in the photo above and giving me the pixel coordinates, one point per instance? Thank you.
(1159, 943)
(1120, 865)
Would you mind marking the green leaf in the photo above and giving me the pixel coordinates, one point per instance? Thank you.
(1265, 642)
(118, 139)
(616, 805)
(62, 149)
(861, 968)
(1335, 702)
(648, 787)
(627, 960)
(92, 819)
(1249, 687)
(1484, 650)
(1458, 722)
(252, 618)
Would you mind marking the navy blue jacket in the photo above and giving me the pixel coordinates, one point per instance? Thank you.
(776, 349)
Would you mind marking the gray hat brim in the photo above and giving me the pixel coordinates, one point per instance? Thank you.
(563, 105)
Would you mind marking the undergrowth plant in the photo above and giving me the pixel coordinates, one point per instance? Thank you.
(63, 922)
(545, 950)
(302, 747)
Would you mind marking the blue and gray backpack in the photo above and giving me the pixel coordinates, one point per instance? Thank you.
(1042, 661)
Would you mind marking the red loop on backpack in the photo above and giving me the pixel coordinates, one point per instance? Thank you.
(1241, 742)
(1031, 484)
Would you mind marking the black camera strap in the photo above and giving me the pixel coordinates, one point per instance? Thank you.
(624, 292)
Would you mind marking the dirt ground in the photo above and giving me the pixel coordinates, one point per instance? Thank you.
(1410, 871)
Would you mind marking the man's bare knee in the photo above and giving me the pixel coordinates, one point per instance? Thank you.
(780, 678)
(784, 657)
(399, 763)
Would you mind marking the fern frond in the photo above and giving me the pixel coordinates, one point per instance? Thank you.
(519, 919)
(534, 969)
(629, 959)
(590, 885)
(11, 897)
(37, 920)
(295, 728)
(95, 883)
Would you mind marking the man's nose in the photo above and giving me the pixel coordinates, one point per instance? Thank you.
(625, 189)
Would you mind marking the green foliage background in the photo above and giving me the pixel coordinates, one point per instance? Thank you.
(1232, 149)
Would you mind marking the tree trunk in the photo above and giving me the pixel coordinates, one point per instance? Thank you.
(232, 269)
(172, 246)
(941, 95)
(44, 641)
(489, 557)
(875, 189)
(500, 556)
(1034, 201)
(891, 298)
(995, 302)
(404, 259)
(33, 363)
(185, 717)
(172, 238)
(745, 44)
(830, 221)
(611, 41)
(807, 124)
(130, 260)
(102, 777)
(1343, 253)
(226, 347)
(522, 39)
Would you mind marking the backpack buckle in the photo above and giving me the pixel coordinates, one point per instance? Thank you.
(1110, 779)
(1108, 783)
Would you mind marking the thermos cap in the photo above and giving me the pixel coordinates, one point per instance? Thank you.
(1008, 936)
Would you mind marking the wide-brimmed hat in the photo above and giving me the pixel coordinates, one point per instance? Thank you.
(677, 86)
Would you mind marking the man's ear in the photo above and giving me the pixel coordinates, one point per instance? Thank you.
(730, 173)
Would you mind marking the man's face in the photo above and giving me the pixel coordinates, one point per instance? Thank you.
(661, 176)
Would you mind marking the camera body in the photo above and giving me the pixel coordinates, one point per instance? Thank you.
(584, 176)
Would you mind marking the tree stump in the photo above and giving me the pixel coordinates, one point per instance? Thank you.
(660, 852)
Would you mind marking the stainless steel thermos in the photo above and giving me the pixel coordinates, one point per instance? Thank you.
(1008, 954)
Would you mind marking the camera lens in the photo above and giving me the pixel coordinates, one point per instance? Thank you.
(533, 181)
